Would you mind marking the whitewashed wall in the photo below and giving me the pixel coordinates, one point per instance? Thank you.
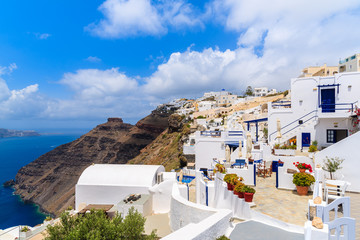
(246, 173)
(91, 194)
(346, 149)
(161, 195)
(184, 212)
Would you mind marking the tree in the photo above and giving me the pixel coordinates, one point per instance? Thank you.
(249, 91)
(97, 226)
(331, 165)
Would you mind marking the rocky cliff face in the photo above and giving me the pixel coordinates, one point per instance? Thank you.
(50, 180)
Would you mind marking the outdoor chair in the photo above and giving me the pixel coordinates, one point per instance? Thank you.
(241, 163)
(264, 169)
(335, 189)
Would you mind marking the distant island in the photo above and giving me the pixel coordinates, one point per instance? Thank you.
(4, 133)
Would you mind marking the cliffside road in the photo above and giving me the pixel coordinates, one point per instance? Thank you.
(50, 180)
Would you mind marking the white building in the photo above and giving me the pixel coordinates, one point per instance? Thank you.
(322, 109)
(260, 92)
(206, 105)
(226, 100)
(111, 183)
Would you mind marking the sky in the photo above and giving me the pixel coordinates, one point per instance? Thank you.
(73, 64)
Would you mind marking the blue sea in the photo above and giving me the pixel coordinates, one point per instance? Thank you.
(14, 154)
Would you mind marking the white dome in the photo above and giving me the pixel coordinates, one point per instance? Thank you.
(120, 175)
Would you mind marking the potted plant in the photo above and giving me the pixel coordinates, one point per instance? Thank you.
(303, 182)
(48, 220)
(220, 168)
(25, 232)
(331, 165)
(228, 179)
(248, 193)
(238, 189)
(303, 166)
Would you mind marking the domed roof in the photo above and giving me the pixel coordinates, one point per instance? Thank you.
(120, 175)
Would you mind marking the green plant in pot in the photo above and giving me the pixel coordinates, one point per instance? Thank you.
(303, 181)
(25, 229)
(228, 178)
(238, 189)
(248, 193)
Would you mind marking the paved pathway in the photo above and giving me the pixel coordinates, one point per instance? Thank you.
(288, 206)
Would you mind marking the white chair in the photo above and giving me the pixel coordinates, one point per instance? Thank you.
(335, 189)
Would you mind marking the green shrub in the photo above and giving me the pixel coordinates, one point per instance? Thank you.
(248, 189)
(312, 148)
(303, 179)
(220, 168)
(48, 218)
(223, 237)
(25, 229)
(201, 117)
(315, 143)
(97, 226)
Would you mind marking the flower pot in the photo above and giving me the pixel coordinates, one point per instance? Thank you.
(235, 192)
(248, 197)
(302, 169)
(241, 195)
(229, 186)
(302, 190)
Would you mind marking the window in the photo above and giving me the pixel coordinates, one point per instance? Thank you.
(330, 136)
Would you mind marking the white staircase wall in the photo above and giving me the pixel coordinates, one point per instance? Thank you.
(347, 149)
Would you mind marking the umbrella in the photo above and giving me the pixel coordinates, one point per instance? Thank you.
(248, 145)
(240, 149)
(227, 154)
(225, 123)
(278, 130)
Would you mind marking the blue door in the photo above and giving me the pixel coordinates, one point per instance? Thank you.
(328, 100)
(306, 140)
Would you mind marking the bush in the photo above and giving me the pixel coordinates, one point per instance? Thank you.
(48, 218)
(220, 168)
(312, 148)
(248, 189)
(223, 237)
(25, 229)
(331, 165)
(201, 117)
(303, 179)
(97, 226)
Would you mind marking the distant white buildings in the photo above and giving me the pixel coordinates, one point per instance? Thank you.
(263, 91)
(350, 64)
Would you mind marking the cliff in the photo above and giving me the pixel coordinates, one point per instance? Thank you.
(50, 180)
(17, 133)
(166, 149)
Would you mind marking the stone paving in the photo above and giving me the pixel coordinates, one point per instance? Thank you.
(288, 206)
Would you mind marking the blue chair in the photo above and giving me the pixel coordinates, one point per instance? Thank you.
(239, 162)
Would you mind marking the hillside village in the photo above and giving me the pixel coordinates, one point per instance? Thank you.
(230, 165)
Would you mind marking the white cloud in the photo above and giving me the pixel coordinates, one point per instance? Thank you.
(94, 83)
(42, 36)
(126, 18)
(9, 69)
(93, 59)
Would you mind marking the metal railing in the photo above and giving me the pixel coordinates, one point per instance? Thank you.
(332, 107)
(286, 104)
(296, 121)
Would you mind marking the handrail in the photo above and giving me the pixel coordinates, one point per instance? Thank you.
(297, 120)
(299, 125)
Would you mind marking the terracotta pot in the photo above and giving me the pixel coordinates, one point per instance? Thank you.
(302, 170)
(241, 195)
(229, 186)
(235, 192)
(302, 190)
(248, 197)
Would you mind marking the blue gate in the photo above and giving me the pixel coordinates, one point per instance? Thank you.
(305, 139)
